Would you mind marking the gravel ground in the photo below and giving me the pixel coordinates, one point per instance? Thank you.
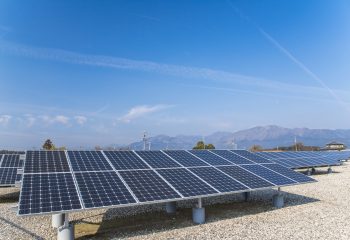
(313, 211)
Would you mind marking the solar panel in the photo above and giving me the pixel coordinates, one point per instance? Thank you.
(99, 189)
(148, 186)
(122, 160)
(47, 193)
(298, 177)
(251, 156)
(88, 161)
(210, 158)
(11, 161)
(45, 162)
(245, 177)
(157, 159)
(269, 175)
(185, 158)
(230, 156)
(8, 176)
(186, 183)
(218, 180)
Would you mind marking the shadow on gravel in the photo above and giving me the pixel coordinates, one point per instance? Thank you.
(10, 197)
(20, 228)
(148, 223)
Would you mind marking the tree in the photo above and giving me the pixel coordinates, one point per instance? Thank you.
(256, 148)
(201, 145)
(48, 145)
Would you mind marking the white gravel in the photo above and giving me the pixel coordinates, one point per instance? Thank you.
(313, 211)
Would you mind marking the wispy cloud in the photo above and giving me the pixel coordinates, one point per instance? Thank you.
(289, 55)
(30, 120)
(61, 119)
(81, 120)
(141, 111)
(5, 119)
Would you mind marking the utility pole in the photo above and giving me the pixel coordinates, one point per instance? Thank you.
(144, 139)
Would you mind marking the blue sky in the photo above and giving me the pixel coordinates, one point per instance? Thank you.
(88, 73)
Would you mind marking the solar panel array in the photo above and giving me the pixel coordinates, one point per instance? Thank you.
(305, 159)
(63, 181)
(9, 163)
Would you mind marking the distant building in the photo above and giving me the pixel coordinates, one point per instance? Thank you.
(335, 146)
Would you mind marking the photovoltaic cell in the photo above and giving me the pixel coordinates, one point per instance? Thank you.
(186, 183)
(88, 161)
(45, 162)
(46, 193)
(185, 158)
(99, 189)
(157, 159)
(122, 160)
(11, 161)
(8, 176)
(217, 179)
(298, 177)
(269, 175)
(148, 186)
(251, 156)
(245, 177)
(210, 157)
(230, 156)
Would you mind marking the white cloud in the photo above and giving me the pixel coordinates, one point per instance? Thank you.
(81, 120)
(5, 119)
(141, 111)
(61, 119)
(30, 120)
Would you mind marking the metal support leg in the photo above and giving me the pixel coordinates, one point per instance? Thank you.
(65, 232)
(308, 172)
(246, 196)
(58, 220)
(278, 199)
(313, 170)
(198, 213)
(170, 207)
(329, 170)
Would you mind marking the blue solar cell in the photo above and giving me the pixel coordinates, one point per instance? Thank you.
(251, 156)
(47, 193)
(8, 176)
(210, 158)
(298, 177)
(124, 160)
(88, 161)
(269, 175)
(185, 158)
(230, 156)
(148, 186)
(45, 162)
(217, 179)
(11, 161)
(157, 159)
(245, 177)
(186, 183)
(99, 189)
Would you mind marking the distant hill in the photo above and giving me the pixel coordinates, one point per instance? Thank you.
(266, 136)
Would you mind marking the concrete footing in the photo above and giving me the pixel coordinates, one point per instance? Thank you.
(246, 196)
(329, 170)
(58, 220)
(198, 215)
(65, 232)
(278, 200)
(170, 207)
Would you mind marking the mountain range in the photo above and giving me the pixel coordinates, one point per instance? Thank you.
(265, 136)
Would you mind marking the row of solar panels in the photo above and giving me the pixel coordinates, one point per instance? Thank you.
(63, 181)
(306, 159)
(9, 163)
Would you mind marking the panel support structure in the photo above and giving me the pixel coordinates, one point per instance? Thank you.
(198, 213)
(65, 232)
(329, 170)
(246, 196)
(170, 207)
(58, 220)
(278, 199)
